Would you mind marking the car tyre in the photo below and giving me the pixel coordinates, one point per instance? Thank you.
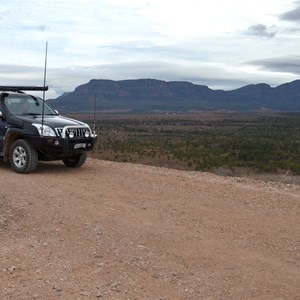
(23, 157)
(75, 162)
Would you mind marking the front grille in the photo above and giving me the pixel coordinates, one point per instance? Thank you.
(59, 131)
(78, 132)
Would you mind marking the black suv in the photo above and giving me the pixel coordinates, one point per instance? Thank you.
(30, 130)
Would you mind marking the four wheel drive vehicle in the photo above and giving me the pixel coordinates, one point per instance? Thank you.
(30, 130)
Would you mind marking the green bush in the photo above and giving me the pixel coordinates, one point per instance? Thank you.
(266, 143)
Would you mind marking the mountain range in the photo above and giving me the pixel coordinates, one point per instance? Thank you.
(149, 95)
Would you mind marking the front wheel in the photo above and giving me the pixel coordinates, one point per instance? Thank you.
(23, 157)
(76, 161)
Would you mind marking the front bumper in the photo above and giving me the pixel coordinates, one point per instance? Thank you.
(53, 148)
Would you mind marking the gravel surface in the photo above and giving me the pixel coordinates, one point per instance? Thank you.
(123, 231)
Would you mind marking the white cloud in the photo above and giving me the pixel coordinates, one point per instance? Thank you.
(200, 41)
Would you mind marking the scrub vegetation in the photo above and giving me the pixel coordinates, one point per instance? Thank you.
(204, 142)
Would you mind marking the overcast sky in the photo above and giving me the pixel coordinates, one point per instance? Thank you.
(224, 44)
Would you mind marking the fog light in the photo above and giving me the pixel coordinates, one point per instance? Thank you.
(56, 143)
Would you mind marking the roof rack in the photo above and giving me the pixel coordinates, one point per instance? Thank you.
(23, 88)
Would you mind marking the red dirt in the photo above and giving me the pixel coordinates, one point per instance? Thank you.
(123, 231)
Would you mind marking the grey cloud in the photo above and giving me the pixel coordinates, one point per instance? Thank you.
(213, 77)
(290, 64)
(66, 79)
(42, 28)
(292, 15)
(62, 80)
(21, 75)
(262, 30)
(7, 69)
(142, 48)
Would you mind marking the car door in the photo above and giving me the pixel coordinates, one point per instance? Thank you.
(3, 128)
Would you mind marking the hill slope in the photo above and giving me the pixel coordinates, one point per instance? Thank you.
(150, 95)
(122, 231)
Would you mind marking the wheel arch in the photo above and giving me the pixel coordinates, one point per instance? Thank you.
(9, 140)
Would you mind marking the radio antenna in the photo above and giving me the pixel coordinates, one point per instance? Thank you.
(45, 74)
(95, 108)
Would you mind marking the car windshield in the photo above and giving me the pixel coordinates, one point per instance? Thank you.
(27, 105)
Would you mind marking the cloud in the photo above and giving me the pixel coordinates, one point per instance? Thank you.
(262, 30)
(292, 15)
(128, 39)
(215, 76)
(289, 64)
(42, 27)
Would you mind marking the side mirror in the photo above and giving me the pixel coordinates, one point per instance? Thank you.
(56, 111)
(1, 116)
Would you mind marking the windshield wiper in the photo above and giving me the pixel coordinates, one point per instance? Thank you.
(38, 114)
(30, 114)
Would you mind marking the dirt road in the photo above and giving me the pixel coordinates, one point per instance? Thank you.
(123, 231)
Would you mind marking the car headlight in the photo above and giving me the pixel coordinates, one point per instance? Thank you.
(71, 134)
(87, 133)
(44, 130)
